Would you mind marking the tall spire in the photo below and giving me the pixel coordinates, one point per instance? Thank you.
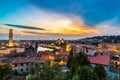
(10, 37)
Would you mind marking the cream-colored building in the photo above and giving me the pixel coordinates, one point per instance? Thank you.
(25, 64)
(88, 49)
(9, 50)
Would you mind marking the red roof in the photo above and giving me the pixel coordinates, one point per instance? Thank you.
(100, 59)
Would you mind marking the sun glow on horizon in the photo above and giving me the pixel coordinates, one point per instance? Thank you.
(53, 24)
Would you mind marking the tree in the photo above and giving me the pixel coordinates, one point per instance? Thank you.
(79, 67)
(77, 60)
(83, 73)
(81, 59)
(71, 59)
(5, 71)
(100, 71)
(45, 72)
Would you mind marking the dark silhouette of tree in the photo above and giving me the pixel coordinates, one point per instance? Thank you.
(100, 71)
(84, 73)
(71, 59)
(5, 71)
(45, 72)
(77, 60)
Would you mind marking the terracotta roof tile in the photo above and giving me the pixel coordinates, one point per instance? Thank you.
(100, 59)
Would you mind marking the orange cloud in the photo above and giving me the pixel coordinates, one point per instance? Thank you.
(52, 22)
(78, 29)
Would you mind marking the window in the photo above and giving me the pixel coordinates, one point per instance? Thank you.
(15, 65)
(21, 70)
(21, 64)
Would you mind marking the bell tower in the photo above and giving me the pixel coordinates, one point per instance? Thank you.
(11, 37)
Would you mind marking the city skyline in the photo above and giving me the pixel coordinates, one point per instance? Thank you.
(52, 19)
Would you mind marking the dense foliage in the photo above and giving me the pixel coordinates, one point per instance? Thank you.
(84, 73)
(5, 71)
(45, 72)
(101, 73)
(77, 60)
(79, 69)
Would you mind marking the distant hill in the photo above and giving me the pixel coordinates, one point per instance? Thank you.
(98, 39)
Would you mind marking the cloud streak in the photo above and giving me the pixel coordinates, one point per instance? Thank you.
(23, 26)
(50, 24)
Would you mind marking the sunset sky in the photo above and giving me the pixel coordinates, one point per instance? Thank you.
(52, 19)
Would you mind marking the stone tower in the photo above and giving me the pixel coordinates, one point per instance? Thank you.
(10, 37)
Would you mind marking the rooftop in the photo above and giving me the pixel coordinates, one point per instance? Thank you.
(26, 60)
(100, 59)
